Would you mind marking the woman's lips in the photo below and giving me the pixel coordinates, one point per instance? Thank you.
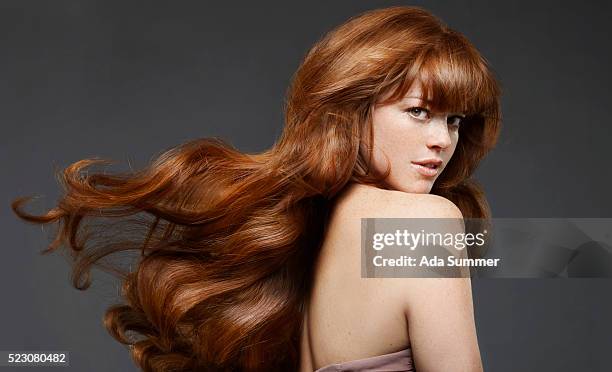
(425, 171)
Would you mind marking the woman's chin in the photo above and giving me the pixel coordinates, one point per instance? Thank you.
(416, 187)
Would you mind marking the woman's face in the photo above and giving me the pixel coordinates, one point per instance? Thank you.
(418, 142)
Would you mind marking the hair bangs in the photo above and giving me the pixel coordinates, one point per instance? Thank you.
(453, 78)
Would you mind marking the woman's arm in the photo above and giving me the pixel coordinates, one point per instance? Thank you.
(441, 325)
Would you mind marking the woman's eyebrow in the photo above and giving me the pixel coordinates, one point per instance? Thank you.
(419, 98)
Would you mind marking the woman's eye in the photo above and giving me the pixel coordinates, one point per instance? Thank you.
(455, 121)
(419, 113)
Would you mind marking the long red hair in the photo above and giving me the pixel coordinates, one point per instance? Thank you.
(226, 241)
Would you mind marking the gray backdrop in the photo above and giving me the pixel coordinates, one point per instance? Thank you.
(126, 80)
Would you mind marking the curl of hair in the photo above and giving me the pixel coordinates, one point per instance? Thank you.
(225, 241)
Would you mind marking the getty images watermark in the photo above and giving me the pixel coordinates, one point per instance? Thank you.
(499, 247)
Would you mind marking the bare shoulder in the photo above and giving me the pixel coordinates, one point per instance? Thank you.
(363, 201)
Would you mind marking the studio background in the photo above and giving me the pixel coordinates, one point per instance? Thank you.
(125, 80)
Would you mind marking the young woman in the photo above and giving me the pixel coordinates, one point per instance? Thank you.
(251, 261)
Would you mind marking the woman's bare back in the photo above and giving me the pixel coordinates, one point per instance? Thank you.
(350, 317)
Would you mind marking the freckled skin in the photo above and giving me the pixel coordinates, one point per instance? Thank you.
(406, 135)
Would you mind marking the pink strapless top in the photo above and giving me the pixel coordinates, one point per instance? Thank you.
(400, 361)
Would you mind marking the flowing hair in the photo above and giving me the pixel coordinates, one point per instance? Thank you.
(225, 242)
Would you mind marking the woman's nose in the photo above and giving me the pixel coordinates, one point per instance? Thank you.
(439, 135)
